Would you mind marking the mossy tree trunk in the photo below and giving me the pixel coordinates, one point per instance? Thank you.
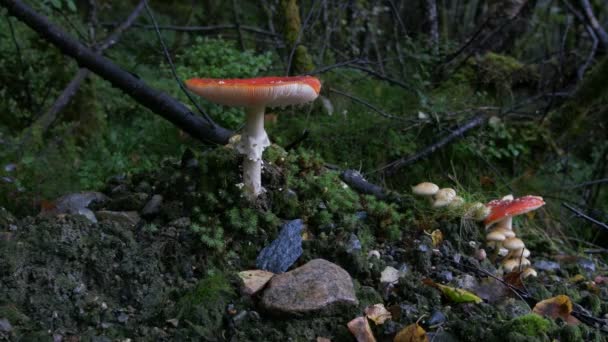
(301, 61)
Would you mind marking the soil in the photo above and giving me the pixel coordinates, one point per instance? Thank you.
(173, 277)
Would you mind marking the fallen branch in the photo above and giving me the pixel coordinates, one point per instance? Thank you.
(394, 166)
(155, 100)
(360, 184)
(583, 216)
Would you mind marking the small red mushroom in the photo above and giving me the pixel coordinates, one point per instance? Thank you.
(502, 210)
(255, 94)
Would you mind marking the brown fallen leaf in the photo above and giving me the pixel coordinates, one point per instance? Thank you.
(377, 313)
(558, 306)
(411, 333)
(514, 279)
(360, 328)
(254, 280)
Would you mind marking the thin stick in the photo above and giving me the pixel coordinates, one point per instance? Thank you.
(581, 215)
(170, 61)
(367, 104)
(392, 167)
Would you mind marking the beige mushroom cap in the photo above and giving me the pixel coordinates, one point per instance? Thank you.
(529, 272)
(519, 253)
(457, 202)
(425, 189)
(506, 232)
(510, 264)
(495, 236)
(443, 197)
(513, 244)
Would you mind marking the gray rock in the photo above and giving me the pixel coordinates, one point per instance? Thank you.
(130, 218)
(152, 208)
(353, 245)
(586, 264)
(446, 276)
(284, 250)
(319, 286)
(5, 325)
(545, 265)
(437, 318)
(77, 204)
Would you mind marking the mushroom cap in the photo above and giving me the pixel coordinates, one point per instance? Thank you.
(444, 197)
(529, 272)
(519, 253)
(256, 92)
(495, 236)
(510, 264)
(506, 232)
(425, 189)
(499, 209)
(457, 202)
(513, 244)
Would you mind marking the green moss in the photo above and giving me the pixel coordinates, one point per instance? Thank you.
(530, 325)
(302, 61)
(503, 73)
(203, 306)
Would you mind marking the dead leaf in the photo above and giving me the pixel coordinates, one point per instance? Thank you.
(377, 313)
(254, 280)
(437, 237)
(556, 307)
(360, 328)
(411, 333)
(514, 279)
(577, 278)
(454, 294)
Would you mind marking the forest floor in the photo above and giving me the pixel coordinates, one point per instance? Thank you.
(162, 263)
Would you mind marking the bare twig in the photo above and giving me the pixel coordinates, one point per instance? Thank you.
(589, 183)
(394, 166)
(203, 28)
(172, 66)
(366, 104)
(582, 215)
(45, 121)
(237, 23)
(299, 37)
(594, 23)
(28, 94)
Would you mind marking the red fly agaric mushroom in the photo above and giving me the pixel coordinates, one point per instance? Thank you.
(255, 94)
(503, 210)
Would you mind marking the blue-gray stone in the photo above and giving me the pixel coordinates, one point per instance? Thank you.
(361, 215)
(284, 250)
(545, 265)
(586, 264)
(353, 244)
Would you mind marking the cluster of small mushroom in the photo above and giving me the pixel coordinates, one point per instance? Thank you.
(497, 216)
(501, 235)
(446, 197)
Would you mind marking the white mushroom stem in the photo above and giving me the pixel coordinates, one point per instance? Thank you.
(253, 142)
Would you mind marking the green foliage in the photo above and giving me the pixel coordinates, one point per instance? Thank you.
(216, 58)
(387, 220)
(531, 325)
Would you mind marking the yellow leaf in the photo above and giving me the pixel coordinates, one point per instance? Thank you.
(437, 237)
(454, 294)
(558, 306)
(411, 333)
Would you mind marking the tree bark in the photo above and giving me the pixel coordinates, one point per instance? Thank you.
(203, 129)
